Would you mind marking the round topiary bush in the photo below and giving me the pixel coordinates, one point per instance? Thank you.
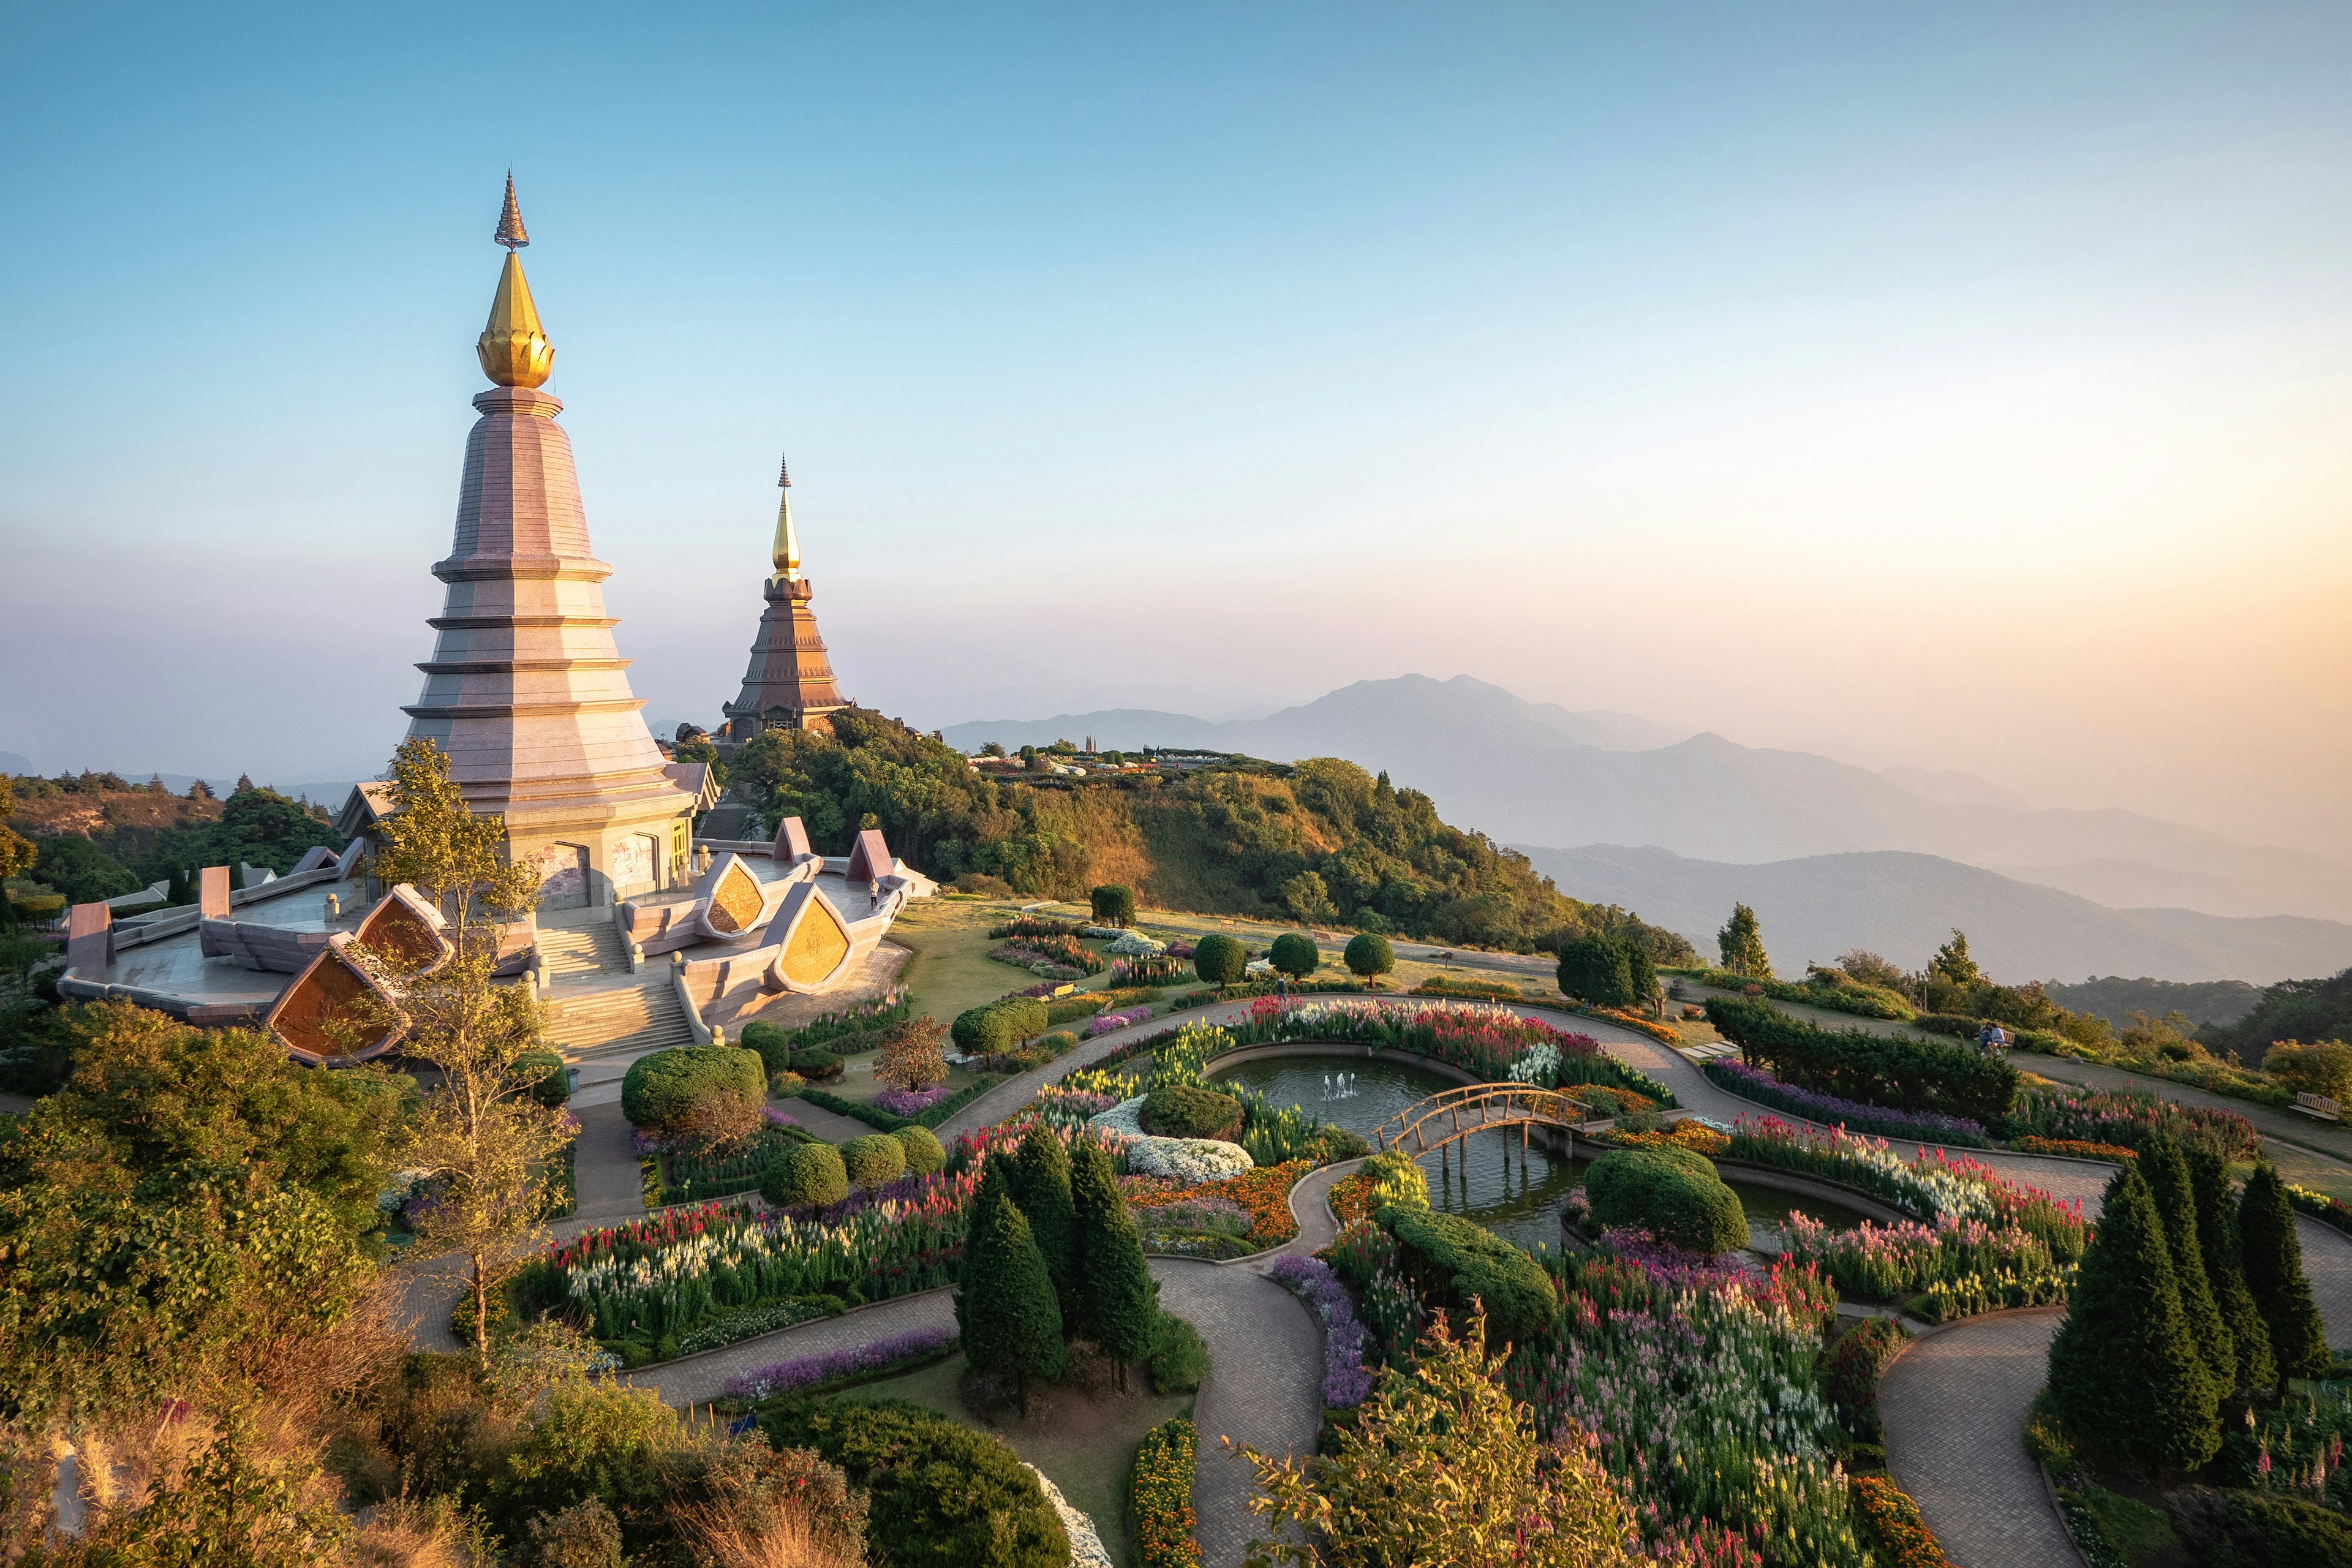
(817, 1063)
(1369, 953)
(1294, 955)
(806, 1173)
(924, 1154)
(774, 1045)
(1189, 1110)
(876, 1160)
(1673, 1193)
(544, 1071)
(1220, 960)
(1114, 904)
(666, 1087)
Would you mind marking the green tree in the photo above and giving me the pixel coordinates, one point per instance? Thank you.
(1114, 904)
(1440, 1466)
(2123, 1371)
(80, 870)
(1220, 960)
(1013, 1326)
(1599, 970)
(1041, 1190)
(1953, 964)
(2217, 1235)
(1295, 954)
(1742, 944)
(1369, 954)
(2272, 1255)
(1307, 899)
(481, 1135)
(1118, 1299)
(995, 1182)
(2168, 1183)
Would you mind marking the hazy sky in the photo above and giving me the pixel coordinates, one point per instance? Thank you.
(1947, 386)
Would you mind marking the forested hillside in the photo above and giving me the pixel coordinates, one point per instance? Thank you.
(98, 836)
(1325, 841)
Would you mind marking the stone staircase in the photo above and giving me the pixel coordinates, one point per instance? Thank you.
(573, 952)
(631, 1018)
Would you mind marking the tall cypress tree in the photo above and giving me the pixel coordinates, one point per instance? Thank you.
(1041, 1188)
(2274, 1262)
(1120, 1300)
(995, 1182)
(1012, 1324)
(2175, 1206)
(2123, 1371)
(2217, 1234)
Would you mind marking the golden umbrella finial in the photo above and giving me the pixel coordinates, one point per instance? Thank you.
(510, 230)
(786, 550)
(513, 348)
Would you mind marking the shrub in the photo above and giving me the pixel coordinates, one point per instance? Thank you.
(940, 1491)
(670, 1087)
(2290, 1532)
(817, 1063)
(982, 1031)
(2324, 1069)
(1180, 1359)
(550, 1083)
(1369, 953)
(1113, 904)
(1220, 960)
(1160, 1494)
(1452, 1260)
(806, 1173)
(1673, 1193)
(1025, 1016)
(875, 1160)
(921, 1149)
(1190, 1110)
(1599, 969)
(774, 1045)
(1294, 955)
(1877, 1070)
(1895, 1520)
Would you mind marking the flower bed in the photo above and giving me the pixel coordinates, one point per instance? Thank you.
(1160, 1494)
(1903, 1537)
(1104, 1023)
(1687, 1133)
(1346, 1380)
(2075, 1147)
(691, 1174)
(1960, 1264)
(1060, 949)
(1264, 1195)
(1764, 1089)
(806, 1373)
(2327, 1211)
(911, 1102)
(2132, 1118)
(1703, 1398)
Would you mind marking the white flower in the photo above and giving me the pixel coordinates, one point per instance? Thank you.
(1192, 1160)
(1126, 1117)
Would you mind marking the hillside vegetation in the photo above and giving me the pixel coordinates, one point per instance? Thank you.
(2115, 999)
(98, 836)
(1322, 842)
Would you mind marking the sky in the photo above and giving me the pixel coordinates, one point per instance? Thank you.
(1962, 387)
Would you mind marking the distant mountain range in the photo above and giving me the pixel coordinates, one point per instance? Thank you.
(1904, 905)
(1530, 773)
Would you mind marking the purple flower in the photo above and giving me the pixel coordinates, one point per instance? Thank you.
(1671, 1264)
(776, 1118)
(808, 1372)
(910, 1101)
(1346, 1380)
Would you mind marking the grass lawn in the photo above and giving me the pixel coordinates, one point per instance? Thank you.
(2305, 1169)
(952, 970)
(1085, 1439)
(858, 1082)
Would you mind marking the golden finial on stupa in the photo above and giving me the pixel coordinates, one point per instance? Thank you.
(513, 349)
(786, 552)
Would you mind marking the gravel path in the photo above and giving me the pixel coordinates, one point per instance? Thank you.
(1954, 1406)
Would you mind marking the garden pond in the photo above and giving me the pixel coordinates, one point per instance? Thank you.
(1516, 1195)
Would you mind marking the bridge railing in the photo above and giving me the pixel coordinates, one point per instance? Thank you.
(1475, 1108)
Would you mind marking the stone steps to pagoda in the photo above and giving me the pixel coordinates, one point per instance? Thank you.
(575, 951)
(625, 1018)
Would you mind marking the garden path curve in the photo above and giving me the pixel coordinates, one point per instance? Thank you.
(1954, 1406)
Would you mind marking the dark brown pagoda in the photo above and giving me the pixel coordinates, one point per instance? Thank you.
(789, 685)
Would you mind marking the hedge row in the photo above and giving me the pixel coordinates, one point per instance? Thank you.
(1876, 1069)
(876, 1117)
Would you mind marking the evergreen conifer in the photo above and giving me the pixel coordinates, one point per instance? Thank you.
(995, 1182)
(2123, 1371)
(2272, 1255)
(1013, 1326)
(2167, 1175)
(1041, 1190)
(2216, 1233)
(1120, 1302)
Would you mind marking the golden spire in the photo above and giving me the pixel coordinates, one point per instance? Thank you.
(513, 349)
(786, 552)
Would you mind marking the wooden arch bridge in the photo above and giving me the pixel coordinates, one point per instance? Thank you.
(1452, 1115)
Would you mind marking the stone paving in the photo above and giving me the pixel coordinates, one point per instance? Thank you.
(1954, 1406)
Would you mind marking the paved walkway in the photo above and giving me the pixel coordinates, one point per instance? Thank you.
(1954, 1406)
